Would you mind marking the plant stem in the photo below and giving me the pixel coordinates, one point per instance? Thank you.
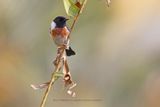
(59, 60)
(52, 80)
(76, 17)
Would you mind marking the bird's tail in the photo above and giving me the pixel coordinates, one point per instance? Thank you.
(70, 52)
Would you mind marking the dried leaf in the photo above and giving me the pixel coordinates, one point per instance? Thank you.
(71, 87)
(67, 75)
(41, 86)
(70, 92)
(45, 85)
(67, 80)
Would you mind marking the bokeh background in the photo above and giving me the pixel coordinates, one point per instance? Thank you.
(117, 61)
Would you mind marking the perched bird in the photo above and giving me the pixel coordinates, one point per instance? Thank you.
(60, 32)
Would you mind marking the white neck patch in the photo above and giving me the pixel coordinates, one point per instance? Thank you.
(53, 25)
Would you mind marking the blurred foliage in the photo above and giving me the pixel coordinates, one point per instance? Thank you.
(118, 54)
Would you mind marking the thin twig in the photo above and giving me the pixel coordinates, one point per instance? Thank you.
(76, 18)
(59, 60)
(52, 80)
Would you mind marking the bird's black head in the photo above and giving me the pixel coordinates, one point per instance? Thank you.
(60, 21)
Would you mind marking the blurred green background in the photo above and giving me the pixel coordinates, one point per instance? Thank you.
(117, 61)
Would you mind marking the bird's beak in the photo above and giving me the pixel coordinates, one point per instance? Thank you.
(67, 19)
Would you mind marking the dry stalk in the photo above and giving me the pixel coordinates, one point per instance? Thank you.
(57, 67)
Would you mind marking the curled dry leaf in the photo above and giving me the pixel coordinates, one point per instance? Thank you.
(70, 92)
(71, 87)
(45, 85)
(67, 75)
(41, 86)
(67, 78)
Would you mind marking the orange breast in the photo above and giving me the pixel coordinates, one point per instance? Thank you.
(60, 31)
